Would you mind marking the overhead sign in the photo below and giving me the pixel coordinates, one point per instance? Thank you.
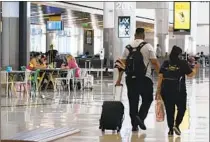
(124, 26)
(54, 25)
(55, 18)
(182, 17)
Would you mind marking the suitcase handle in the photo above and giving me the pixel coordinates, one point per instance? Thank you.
(121, 86)
(118, 85)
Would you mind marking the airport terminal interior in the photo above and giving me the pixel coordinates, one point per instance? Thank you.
(50, 101)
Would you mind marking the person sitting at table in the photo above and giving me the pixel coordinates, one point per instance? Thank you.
(34, 64)
(43, 61)
(72, 64)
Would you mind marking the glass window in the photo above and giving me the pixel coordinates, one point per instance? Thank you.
(38, 38)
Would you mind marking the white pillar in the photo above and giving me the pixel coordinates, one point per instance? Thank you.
(123, 9)
(108, 23)
(162, 26)
(193, 26)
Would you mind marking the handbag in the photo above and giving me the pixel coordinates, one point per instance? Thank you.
(159, 111)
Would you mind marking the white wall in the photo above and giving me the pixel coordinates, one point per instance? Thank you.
(203, 13)
(202, 35)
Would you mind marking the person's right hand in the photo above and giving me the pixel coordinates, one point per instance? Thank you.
(118, 83)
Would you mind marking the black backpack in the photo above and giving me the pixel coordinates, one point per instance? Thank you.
(135, 66)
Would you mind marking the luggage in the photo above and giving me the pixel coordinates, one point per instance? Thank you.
(112, 115)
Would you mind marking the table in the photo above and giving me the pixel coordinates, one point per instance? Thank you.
(50, 75)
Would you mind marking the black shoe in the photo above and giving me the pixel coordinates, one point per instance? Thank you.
(140, 123)
(177, 130)
(171, 133)
(135, 129)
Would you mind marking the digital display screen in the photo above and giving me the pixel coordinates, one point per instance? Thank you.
(182, 17)
(54, 25)
(124, 26)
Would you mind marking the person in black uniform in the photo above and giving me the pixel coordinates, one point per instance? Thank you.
(51, 54)
(172, 87)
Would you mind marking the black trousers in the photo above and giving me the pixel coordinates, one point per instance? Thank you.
(139, 87)
(171, 99)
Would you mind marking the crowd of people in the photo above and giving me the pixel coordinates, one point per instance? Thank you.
(48, 60)
(136, 62)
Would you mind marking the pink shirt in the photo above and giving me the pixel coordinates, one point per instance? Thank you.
(73, 65)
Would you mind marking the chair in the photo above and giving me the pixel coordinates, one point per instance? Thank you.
(4, 80)
(34, 81)
(82, 77)
(25, 81)
(70, 75)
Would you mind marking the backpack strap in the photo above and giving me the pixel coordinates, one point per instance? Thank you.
(129, 47)
(141, 45)
(139, 48)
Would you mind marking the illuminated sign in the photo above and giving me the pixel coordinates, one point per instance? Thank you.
(182, 17)
(124, 26)
(54, 25)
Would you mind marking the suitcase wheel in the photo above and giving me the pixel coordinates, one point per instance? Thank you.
(103, 130)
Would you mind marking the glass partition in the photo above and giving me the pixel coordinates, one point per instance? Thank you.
(38, 38)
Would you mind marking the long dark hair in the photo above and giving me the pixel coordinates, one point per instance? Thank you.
(174, 55)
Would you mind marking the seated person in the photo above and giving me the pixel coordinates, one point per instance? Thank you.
(43, 61)
(72, 64)
(34, 63)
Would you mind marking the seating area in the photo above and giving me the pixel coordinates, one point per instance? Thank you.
(31, 82)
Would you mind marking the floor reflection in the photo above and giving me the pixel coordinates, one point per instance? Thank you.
(82, 110)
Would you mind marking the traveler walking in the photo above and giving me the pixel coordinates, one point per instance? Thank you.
(172, 87)
(138, 57)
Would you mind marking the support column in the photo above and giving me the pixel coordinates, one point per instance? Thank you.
(10, 34)
(194, 21)
(24, 34)
(108, 23)
(162, 26)
(123, 9)
(50, 39)
(15, 44)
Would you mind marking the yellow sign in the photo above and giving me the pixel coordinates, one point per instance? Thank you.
(182, 15)
(55, 18)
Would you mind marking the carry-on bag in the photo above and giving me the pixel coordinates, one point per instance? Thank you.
(112, 114)
(159, 110)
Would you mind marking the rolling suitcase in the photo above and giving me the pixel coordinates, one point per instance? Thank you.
(112, 114)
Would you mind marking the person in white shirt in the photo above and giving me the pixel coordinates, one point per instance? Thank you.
(158, 51)
(139, 86)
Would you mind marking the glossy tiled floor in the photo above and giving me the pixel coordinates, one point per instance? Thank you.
(82, 111)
